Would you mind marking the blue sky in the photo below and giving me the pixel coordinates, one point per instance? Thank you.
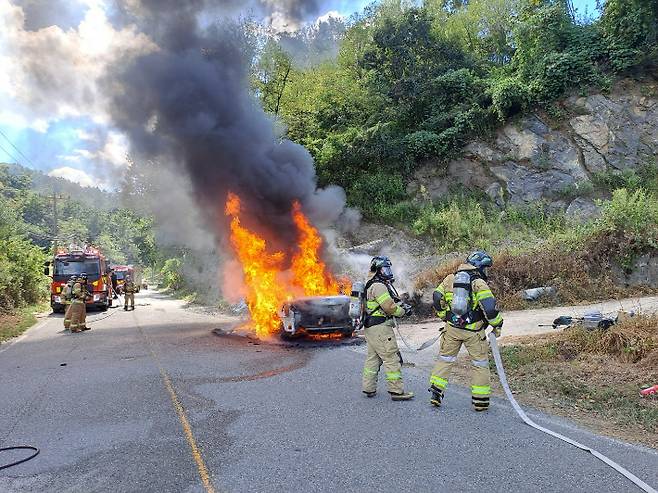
(63, 132)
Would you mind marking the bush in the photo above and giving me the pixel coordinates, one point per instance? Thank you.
(458, 226)
(422, 144)
(509, 96)
(21, 263)
(172, 275)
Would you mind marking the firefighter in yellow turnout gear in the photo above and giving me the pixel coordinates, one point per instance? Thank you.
(381, 307)
(78, 309)
(467, 305)
(129, 290)
(67, 295)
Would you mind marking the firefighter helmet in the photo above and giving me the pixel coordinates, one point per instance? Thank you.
(480, 259)
(381, 266)
(82, 277)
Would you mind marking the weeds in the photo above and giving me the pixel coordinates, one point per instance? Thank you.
(594, 375)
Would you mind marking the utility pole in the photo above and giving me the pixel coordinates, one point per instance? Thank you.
(55, 197)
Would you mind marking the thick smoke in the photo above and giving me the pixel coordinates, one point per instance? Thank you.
(189, 103)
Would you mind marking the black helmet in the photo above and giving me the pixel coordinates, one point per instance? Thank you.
(480, 259)
(82, 277)
(381, 266)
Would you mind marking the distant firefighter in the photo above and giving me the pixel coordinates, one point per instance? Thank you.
(80, 294)
(67, 296)
(129, 289)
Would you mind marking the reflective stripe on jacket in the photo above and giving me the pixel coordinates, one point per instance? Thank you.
(379, 302)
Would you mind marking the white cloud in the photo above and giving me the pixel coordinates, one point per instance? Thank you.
(112, 152)
(51, 73)
(75, 175)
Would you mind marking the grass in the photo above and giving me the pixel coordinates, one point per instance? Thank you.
(593, 377)
(13, 325)
(578, 260)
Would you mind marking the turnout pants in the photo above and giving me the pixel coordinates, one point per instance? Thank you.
(67, 316)
(78, 316)
(382, 349)
(478, 349)
(129, 297)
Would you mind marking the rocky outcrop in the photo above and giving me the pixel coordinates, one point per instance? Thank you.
(531, 160)
(644, 272)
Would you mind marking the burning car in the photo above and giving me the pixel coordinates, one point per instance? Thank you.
(313, 315)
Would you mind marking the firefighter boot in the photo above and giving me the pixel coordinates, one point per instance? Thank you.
(402, 396)
(370, 394)
(125, 308)
(437, 396)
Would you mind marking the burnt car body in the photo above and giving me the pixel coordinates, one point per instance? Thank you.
(315, 315)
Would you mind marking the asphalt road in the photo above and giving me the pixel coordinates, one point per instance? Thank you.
(152, 400)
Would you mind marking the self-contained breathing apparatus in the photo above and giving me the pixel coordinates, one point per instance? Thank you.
(463, 311)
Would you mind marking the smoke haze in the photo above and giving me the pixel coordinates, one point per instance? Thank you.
(189, 103)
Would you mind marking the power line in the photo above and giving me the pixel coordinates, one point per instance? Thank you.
(17, 149)
(10, 154)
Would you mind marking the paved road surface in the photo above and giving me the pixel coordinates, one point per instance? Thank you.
(151, 400)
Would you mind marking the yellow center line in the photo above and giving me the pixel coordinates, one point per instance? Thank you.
(182, 417)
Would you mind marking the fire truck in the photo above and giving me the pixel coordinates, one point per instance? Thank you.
(123, 271)
(74, 261)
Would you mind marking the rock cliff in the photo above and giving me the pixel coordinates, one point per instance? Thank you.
(539, 158)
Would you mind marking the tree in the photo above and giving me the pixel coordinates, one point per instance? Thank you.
(272, 74)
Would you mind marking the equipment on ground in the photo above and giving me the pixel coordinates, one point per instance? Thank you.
(74, 261)
(649, 391)
(590, 321)
(508, 392)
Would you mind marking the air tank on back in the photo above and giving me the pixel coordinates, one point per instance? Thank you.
(356, 300)
(460, 293)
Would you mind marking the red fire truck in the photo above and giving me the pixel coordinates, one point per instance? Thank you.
(73, 261)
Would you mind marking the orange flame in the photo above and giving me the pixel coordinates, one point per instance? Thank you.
(309, 271)
(267, 286)
(260, 270)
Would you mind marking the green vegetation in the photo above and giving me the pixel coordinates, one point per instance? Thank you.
(578, 259)
(412, 84)
(27, 229)
(13, 325)
(592, 375)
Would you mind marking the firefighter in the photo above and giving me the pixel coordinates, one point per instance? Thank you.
(113, 279)
(468, 288)
(67, 294)
(129, 289)
(80, 294)
(382, 304)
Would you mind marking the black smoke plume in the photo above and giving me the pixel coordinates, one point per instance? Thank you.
(189, 103)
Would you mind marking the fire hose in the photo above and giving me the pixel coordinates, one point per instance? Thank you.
(503, 381)
(20, 447)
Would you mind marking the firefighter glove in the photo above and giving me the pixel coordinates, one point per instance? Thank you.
(497, 330)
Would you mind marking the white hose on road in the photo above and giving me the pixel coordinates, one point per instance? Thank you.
(503, 381)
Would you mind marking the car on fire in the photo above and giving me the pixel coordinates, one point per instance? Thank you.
(323, 315)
